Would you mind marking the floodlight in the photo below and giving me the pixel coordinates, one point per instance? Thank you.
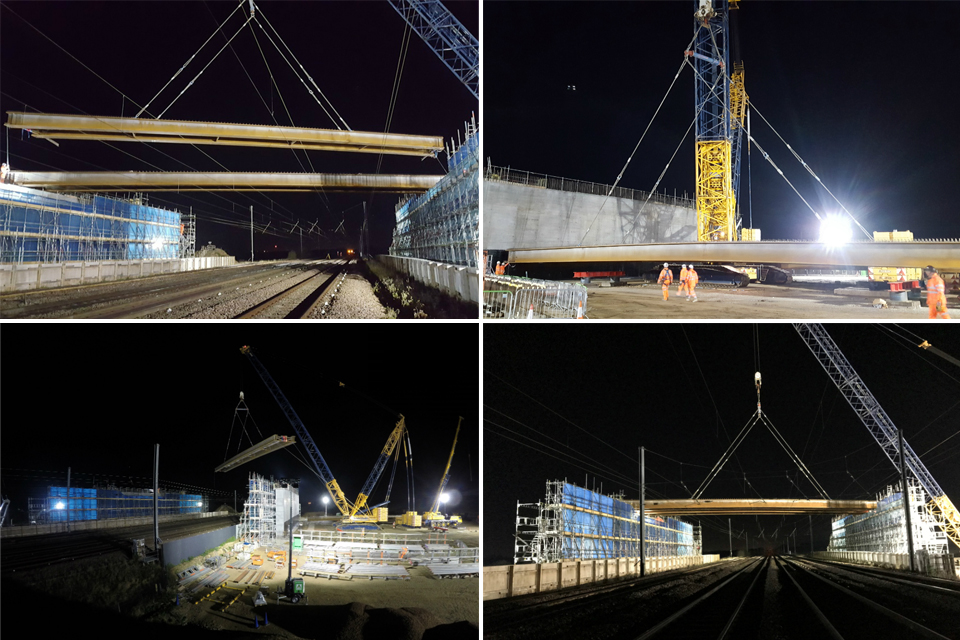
(835, 230)
(444, 497)
(59, 505)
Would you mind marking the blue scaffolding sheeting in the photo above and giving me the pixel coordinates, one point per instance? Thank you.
(577, 523)
(102, 504)
(443, 224)
(40, 226)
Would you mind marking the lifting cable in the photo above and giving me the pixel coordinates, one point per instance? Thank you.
(190, 84)
(309, 90)
(811, 172)
(398, 74)
(617, 181)
(189, 60)
(273, 83)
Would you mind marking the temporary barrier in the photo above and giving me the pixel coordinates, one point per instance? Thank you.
(549, 299)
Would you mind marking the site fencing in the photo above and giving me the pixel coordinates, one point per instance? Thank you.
(544, 181)
(511, 298)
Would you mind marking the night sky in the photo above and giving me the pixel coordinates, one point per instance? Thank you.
(98, 402)
(351, 49)
(561, 403)
(853, 87)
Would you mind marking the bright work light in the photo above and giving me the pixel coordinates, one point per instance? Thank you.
(835, 230)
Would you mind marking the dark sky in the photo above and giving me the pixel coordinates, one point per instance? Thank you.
(351, 49)
(851, 86)
(97, 402)
(582, 403)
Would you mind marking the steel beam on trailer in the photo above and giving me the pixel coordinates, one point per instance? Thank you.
(269, 445)
(59, 127)
(754, 506)
(180, 181)
(942, 254)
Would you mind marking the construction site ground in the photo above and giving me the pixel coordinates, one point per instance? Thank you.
(123, 603)
(756, 301)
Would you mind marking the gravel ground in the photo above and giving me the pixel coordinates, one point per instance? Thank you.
(228, 304)
(355, 299)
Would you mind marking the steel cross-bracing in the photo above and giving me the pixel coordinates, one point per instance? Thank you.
(395, 436)
(878, 423)
(454, 45)
(319, 464)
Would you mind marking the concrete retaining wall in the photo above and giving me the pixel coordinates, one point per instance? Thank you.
(30, 276)
(520, 579)
(520, 216)
(176, 551)
(106, 523)
(457, 281)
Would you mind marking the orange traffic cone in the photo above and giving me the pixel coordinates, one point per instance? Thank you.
(530, 313)
(580, 311)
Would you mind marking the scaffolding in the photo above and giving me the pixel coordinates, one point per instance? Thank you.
(577, 523)
(74, 504)
(40, 226)
(884, 529)
(269, 506)
(443, 224)
(258, 524)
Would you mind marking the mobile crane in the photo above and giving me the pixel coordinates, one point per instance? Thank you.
(319, 464)
(879, 424)
(360, 511)
(433, 517)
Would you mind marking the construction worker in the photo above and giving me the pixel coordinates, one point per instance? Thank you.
(498, 269)
(936, 294)
(683, 280)
(665, 280)
(692, 279)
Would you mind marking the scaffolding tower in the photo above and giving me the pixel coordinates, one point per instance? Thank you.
(577, 523)
(884, 529)
(258, 524)
(443, 224)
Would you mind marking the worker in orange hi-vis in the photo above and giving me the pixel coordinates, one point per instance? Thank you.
(498, 270)
(683, 280)
(665, 280)
(692, 279)
(936, 294)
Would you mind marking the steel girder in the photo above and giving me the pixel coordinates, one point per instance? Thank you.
(943, 255)
(187, 181)
(58, 127)
(753, 506)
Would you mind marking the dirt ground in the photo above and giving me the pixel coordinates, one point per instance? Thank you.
(757, 301)
(410, 609)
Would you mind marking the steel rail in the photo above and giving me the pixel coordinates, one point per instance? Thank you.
(941, 254)
(62, 126)
(175, 181)
(914, 627)
(662, 625)
(258, 309)
(816, 610)
(952, 586)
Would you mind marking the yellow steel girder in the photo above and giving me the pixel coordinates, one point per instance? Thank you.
(716, 204)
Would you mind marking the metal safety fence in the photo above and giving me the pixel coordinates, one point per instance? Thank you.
(544, 181)
(510, 298)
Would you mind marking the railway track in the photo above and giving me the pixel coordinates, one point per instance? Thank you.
(567, 609)
(846, 605)
(301, 299)
(210, 294)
